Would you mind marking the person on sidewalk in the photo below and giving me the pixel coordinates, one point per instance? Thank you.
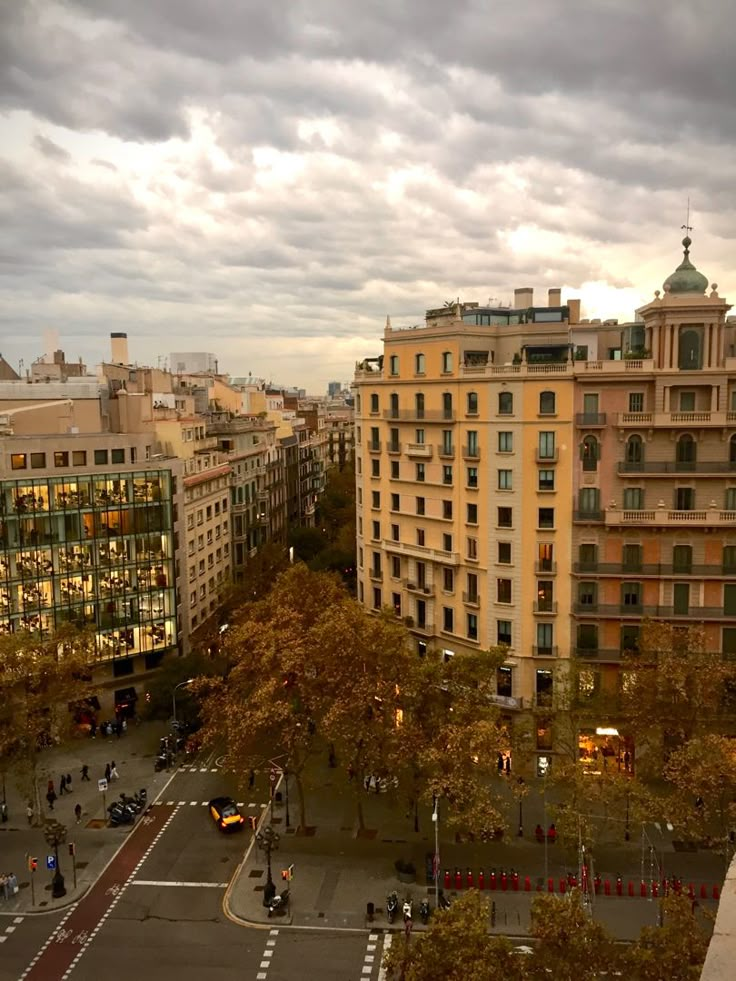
(108, 772)
(29, 812)
(114, 775)
(78, 812)
(85, 772)
(51, 797)
(62, 785)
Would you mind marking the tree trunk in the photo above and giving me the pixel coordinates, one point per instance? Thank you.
(302, 804)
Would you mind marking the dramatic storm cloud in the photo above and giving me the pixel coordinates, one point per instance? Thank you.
(267, 180)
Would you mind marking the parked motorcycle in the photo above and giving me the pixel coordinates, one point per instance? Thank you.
(160, 763)
(392, 905)
(131, 802)
(424, 911)
(120, 815)
(279, 901)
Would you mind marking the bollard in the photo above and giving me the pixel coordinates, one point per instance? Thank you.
(703, 891)
(458, 879)
(504, 880)
(597, 884)
(515, 880)
(607, 887)
(370, 909)
(716, 892)
(691, 891)
(481, 880)
(527, 884)
(665, 887)
(469, 878)
(655, 888)
(631, 888)
(550, 885)
(643, 891)
(447, 879)
(493, 914)
(492, 883)
(563, 886)
(619, 886)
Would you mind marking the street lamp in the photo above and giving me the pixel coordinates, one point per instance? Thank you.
(182, 684)
(55, 835)
(436, 859)
(520, 782)
(268, 840)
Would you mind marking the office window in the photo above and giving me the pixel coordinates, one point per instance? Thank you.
(376, 530)
(505, 517)
(375, 499)
(447, 542)
(394, 469)
(448, 579)
(395, 502)
(448, 619)
(472, 474)
(636, 401)
(61, 458)
(633, 498)
(472, 514)
(472, 404)
(419, 364)
(447, 474)
(393, 364)
(685, 499)
(546, 480)
(118, 456)
(17, 461)
(472, 626)
(547, 403)
(420, 536)
(79, 458)
(505, 480)
(447, 509)
(446, 361)
(419, 405)
(420, 508)
(503, 632)
(504, 553)
(100, 457)
(546, 446)
(38, 461)
(472, 548)
(374, 403)
(505, 442)
(546, 518)
(421, 472)
(503, 590)
(505, 403)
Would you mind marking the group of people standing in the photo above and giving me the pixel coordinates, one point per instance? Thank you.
(65, 787)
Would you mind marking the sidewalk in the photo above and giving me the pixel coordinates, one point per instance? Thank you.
(134, 754)
(337, 872)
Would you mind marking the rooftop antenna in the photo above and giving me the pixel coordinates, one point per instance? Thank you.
(687, 227)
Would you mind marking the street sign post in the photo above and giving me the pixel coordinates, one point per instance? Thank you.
(102, 787)
(51, 863)
(73, 853)
(32, 866)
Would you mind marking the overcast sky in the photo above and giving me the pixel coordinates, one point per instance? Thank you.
(267, 179)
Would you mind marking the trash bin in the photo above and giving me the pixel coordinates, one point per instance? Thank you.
(370, 910)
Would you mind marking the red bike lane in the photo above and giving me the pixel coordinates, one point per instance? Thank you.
(76, 931)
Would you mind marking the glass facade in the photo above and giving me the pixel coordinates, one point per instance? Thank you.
(93, 550)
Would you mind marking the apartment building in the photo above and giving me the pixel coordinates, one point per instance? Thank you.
(529, 479)
(88, 524)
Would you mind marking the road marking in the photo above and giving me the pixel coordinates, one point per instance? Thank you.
(158, 882)
(387, 938)
(267, 955)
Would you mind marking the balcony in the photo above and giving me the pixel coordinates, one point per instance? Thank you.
(422, 588)
(544, 651)
(588, 516)
(590, 420)
(374, 446)
(376, 575)
(446, 452)
(418, 415)
(546, 457)
(421, 450)
(665, 468)
(471, 599)
(471, 453)
(713, 517)
(393, 448)
(666, 420)
(545, 568)
(421, 552)
(716, 571)
(599, 654)
(545, 607)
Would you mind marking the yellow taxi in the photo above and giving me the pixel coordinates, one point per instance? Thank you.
(224, 812)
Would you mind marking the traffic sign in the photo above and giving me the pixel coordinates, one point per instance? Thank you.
(51, 862)
(102, 785)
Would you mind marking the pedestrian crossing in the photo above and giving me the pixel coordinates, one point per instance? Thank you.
(204, 803)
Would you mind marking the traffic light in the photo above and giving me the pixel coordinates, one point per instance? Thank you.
(32, 864)
(288, 874)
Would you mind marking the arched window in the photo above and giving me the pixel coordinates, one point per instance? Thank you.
(690, 350)
(686, 453)
(732, 449)
(505, 403)
(590, 452)
(446, 362)
(394, 402)
(472, 404)
(634, 449)
(393, 362)
(419, 364)
(446, 405)
(546, 403)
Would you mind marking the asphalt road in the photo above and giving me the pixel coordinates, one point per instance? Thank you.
(157, 912)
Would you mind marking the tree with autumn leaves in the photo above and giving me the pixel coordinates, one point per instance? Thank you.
(308, 666)
(40, 675)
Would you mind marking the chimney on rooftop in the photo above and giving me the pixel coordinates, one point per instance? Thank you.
(119, 348)
(554, 298)
(523, 297)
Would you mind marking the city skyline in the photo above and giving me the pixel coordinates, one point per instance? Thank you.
(270, 184)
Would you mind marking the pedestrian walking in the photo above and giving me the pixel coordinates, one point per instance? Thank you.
(507, 764)
(68, 783)
(62, 785)
(85, 772)
(108, 772)
(51, 797)
(78, 812)
(499, 763)
(29, 812)
(113, 771)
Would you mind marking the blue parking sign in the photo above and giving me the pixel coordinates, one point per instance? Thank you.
(51, 862)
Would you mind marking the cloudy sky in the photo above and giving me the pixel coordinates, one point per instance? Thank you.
(267, 179)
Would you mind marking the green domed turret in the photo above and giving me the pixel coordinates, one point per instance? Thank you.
(686, 278)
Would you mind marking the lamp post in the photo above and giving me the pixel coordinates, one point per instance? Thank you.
(520, 783)
(55, 835)
(182, 684)
(436, 860)
(268, 840)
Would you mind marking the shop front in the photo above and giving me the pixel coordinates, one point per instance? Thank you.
(604, 749)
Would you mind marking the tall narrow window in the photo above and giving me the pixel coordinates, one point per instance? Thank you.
(634, 450)
(394, 403)
(419, 364)
(686, 453)
(505, 403)
(472, 404)
(446, 405)
(590, 453)
(394, 364)
(547, 403)
(419, 405)
(446, 362)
